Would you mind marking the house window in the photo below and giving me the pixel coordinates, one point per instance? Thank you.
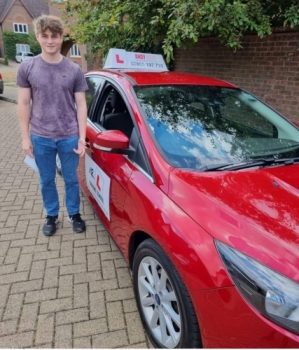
(75, 52)
(22, 48)
(20, 28)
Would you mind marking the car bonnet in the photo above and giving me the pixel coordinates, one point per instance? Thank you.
(255, 211)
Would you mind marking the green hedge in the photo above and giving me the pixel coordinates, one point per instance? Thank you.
(10, 40)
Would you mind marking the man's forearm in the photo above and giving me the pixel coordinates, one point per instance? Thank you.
(82, 121)
(24, 116)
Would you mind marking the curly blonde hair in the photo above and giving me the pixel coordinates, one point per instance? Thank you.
(45, 22)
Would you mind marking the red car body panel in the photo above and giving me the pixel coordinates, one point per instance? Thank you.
(255, 211)
(249, 219)
(251, 330)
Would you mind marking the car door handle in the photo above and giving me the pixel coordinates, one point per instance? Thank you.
(87, 142)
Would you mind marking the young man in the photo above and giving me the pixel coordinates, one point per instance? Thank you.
(53, 114)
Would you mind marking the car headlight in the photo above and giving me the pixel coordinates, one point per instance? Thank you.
(276, 297)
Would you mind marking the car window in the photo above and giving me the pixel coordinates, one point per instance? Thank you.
(197, 126)
(93, 82)
(112, 113)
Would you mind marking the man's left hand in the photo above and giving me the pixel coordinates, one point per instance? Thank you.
(81, 148)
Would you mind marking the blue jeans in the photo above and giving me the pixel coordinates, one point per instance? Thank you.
(45, 151)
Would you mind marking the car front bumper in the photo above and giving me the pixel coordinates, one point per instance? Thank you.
(227, 321)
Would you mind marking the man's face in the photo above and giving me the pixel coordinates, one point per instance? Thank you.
(50, 42)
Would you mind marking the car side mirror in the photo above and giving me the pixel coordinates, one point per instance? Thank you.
(111, 141)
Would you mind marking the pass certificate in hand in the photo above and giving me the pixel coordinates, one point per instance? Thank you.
(31, 162)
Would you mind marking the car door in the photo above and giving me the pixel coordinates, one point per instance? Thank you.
(107, 174)
(94, 83)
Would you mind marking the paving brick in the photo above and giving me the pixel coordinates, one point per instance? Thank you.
(98, 286)
(82, 343)
(14, 277)
(64, 336)
(66, 249)
(69, 236)
(108, 269)
(43, 346)
(55, 305)
(7, 269)
(72, 269)
(45, 329)
(24, 263)
(72, 316)
(21, 340)
(13, 307)
(83, 329)
(46, 255)
(80, 255)
(41, 295)
(4, 291)
(12, 255)
(23, 242)
(120, 263)
(111, 255)
(32, 231)
(22, 227)
(98, 249)
(51, 277)
(4, 215)
(12, 220)
(124, 277)
(134, 328)
(37, 270)
(34, 249)
(65, 288)
(88, 277)
(91, 233)
(64, 332)
(137, 346)
(59, 261)
(11, 236)
(26, 286)
(85, 243)
(119, 294)
(28, 317)
(93, 262)
(110, 340)
(80, 295)
(97, 305)
(55, 243)
(115, 316)
(8, 327)
(129, 305)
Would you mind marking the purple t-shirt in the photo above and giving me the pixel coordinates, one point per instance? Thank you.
(53, 86)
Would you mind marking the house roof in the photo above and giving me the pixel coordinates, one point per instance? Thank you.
(34, 7)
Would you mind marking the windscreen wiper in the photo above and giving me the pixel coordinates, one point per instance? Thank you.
(260, 162)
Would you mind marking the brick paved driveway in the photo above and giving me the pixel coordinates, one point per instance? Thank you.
(66, 291)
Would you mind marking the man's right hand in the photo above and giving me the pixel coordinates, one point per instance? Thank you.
(27, 147)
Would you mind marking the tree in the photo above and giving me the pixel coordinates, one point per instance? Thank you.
(162, 25)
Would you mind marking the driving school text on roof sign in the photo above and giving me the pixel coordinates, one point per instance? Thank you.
(122, 59)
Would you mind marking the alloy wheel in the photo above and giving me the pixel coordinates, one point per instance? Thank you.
(159, 302)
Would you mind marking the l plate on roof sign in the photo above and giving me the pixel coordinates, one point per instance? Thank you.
(122, 59)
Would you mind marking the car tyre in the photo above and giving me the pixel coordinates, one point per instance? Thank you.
(163, 301)
(58, 165)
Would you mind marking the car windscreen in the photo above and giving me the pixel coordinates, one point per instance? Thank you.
(197, 126)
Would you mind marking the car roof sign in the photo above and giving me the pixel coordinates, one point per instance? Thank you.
(122, 59)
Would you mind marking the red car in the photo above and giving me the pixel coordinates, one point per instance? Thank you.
(197, 182)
